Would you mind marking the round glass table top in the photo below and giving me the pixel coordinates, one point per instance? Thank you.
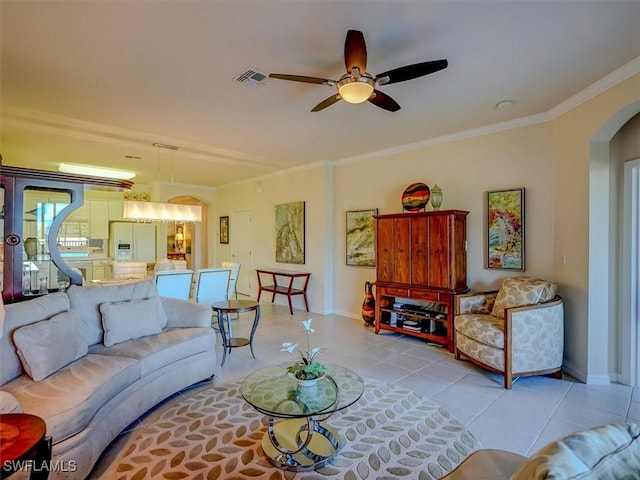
(272, 392)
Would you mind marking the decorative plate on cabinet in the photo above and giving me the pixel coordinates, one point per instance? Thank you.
(415, 197)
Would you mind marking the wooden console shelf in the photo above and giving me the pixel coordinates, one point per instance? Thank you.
(284, 289)
(421, 265)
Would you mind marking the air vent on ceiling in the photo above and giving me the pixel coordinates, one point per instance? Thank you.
(251, 77)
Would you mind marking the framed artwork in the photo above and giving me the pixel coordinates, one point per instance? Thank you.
(505, 229)
(290, 233)
(360, 238)
(224, 229)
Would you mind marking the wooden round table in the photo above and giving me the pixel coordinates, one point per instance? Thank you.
(23, 441)
(226, 307)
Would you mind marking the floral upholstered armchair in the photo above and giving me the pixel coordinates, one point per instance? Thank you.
(517, 331)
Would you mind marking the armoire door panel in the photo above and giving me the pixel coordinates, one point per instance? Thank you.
(420, 251)
(439, 262)
(402, 250)
(384, 250)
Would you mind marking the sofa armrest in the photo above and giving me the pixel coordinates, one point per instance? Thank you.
(183, 314)
(475, 302)
(9, 403)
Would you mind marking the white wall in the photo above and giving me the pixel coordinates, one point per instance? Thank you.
(578, 135)
(465, 170)
(313, 185)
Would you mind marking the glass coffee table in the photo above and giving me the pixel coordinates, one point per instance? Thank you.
(301, 439)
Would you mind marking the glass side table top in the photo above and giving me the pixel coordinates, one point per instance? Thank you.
(270, 391)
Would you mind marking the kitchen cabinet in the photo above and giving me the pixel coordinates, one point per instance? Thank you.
(421, 264)
(115, 210)
(98, 271)
(99, 219)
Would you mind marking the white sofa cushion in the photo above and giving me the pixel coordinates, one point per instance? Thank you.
(87, 300)
(124, 321)
(69, 399)
(18, 315)
(156, 351)
(45, 347)
(606, 452)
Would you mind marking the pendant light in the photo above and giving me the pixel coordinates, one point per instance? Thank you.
(161, 212)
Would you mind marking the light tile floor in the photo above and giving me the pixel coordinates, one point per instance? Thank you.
(536, 411)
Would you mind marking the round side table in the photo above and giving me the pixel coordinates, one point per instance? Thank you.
(23, 441)
(227, 307)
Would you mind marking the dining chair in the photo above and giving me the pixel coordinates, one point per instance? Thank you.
(174, 283)
(212, 285)
(233, 278)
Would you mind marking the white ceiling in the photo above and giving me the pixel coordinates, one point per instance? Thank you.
(94, 82)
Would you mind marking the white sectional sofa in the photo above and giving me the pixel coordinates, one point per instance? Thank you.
(93, 359)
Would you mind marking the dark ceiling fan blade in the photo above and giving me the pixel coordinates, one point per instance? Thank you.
(355, 51)
(383, 100)
(302, 78)
(409, 72)
(327, 102)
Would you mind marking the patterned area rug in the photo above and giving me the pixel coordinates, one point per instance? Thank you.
(390, 433)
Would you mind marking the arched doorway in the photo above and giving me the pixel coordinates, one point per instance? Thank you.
(195, 234)
(613, 336)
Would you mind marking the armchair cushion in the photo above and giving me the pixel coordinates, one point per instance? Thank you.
(521, 291)
(486, 329)
(608, 451)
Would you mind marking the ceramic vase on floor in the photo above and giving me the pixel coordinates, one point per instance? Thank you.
(368, 305)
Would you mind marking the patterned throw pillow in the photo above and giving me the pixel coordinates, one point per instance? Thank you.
(521, 291)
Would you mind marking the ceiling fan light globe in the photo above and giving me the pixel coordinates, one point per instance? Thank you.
(356, 89)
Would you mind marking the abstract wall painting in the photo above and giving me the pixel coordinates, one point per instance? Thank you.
(360, 238)
(290, 233)
(505, 230)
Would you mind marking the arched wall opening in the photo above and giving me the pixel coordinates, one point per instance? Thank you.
(196, 234)
(612, 338)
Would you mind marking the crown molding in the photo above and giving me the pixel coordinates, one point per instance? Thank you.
(592, 91)
(614, 78)
(453, 137)
(82, 130)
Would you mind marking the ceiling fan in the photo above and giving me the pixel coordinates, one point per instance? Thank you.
(357, 85)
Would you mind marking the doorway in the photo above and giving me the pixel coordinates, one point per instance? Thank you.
(242, 251)
(631, 274)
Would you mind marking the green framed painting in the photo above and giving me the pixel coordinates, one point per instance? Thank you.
(505, 230)
(360, 238)
(290, 233)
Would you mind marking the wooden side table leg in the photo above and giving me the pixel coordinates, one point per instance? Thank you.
(42, 460)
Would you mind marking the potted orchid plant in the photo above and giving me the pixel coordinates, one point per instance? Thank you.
(307, 368)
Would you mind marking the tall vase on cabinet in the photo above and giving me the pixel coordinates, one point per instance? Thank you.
(368, 305)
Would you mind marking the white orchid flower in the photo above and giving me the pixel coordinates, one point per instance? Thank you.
(289, 347)
(307, 325)
(314, 351)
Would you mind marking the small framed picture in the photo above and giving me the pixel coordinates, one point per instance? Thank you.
(505, 230)
(224, 229)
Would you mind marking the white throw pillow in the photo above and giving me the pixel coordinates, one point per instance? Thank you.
(47, 346)
(124, 321)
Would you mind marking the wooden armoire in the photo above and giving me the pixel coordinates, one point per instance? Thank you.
(421, 264)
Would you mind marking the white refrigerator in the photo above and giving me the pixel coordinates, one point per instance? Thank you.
(133, 242)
